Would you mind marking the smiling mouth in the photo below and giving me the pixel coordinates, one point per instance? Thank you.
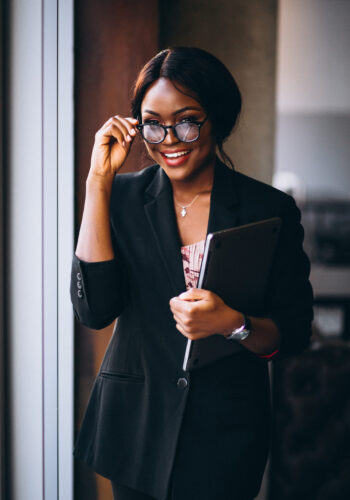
(177, 154)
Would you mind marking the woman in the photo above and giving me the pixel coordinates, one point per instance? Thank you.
(154, 430)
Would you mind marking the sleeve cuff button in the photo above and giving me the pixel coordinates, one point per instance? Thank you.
(80, 294)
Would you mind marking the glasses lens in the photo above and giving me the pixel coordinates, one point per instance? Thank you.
(153, 133)
(187, 132)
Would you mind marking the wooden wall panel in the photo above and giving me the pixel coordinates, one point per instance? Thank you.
(114, 38)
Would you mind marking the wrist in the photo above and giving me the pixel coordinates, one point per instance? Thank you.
(95, 182)
(235, 319)
(242, 331)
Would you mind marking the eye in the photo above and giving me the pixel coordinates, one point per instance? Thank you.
(189, 119)
(150, 121)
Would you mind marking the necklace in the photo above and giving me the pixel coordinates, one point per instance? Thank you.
(184, 207)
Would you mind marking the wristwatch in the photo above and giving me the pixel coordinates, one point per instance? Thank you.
(242, 332)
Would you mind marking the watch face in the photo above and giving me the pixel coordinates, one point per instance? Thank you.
(239, 335)
(242, 332)
(243, 335)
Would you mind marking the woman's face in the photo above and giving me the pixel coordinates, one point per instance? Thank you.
(164, 103)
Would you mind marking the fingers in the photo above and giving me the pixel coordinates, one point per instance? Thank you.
(182, 330)
(121, 129)
(180, 320)
(181, 306)
(112, 131)
(193, 300)
(128, 126)
(195, 294)
(195, 313)
(187, 322)
(189, 334)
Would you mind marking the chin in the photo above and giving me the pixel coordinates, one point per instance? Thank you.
(182, 173)
(189, 170)
(178, 175)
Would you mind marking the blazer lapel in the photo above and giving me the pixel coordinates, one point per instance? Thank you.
(161, 216)
(224, 200)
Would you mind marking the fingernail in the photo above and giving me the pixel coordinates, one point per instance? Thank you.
(128, 138)
(132, 131)
(123, 144)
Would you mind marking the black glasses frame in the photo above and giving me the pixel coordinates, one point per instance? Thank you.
(173, 128)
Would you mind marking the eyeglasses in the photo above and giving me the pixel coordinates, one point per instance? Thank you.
(185, 131)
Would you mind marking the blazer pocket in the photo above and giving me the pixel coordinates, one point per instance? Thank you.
(121, 376)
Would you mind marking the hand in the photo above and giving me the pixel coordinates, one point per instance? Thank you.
(112, 146)
(199, 313)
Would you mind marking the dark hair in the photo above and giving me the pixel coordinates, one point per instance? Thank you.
(203, 75)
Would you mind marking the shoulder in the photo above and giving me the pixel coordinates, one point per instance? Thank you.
(246, 183)
(131, 187)
(135, 180)
(256, 192)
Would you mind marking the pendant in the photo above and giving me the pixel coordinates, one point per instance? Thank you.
(183, 212)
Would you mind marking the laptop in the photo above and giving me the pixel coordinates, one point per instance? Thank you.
(236, 266)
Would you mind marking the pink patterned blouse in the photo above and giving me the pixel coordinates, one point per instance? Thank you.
(192, 256)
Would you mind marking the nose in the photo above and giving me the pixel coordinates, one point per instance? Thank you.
(170, 137)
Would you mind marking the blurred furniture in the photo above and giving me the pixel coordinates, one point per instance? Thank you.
(310, 456)
(327, 224)
(310, 450)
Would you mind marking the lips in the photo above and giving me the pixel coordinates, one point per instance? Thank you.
(175, 158)
(175, 154)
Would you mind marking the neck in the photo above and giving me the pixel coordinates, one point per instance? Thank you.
(201, 182)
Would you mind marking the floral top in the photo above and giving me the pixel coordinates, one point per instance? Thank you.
(192, 256)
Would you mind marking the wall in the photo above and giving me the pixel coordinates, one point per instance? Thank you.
(313, 94)
(243, 35)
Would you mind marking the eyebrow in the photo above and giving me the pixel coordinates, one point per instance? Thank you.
(187, 108)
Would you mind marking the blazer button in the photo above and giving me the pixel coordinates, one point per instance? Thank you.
(182, 383)
(79, 276)
(80, 294)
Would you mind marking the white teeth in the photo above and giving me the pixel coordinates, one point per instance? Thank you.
(176, 155)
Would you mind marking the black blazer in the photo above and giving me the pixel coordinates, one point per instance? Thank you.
(144, 424)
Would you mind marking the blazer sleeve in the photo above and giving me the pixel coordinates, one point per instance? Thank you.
(98, 291)
(290, 295)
